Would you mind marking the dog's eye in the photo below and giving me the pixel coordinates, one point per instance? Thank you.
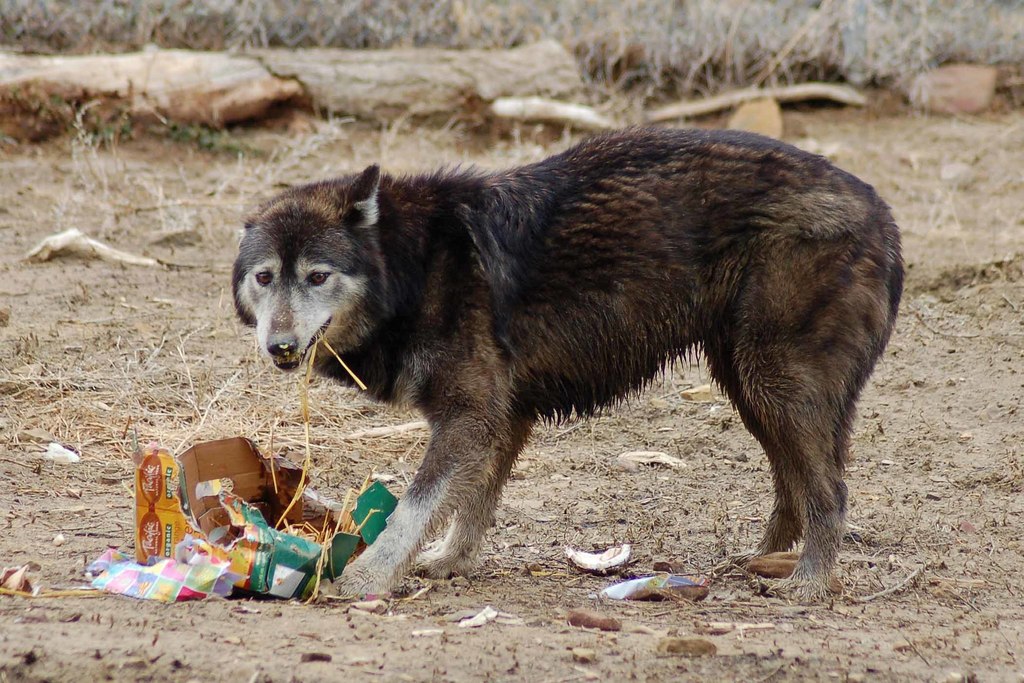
(264, 278)
(318, 278)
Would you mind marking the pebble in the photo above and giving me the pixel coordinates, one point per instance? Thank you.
(955, 89)
(586, 618)
(763, 116)
(686, 647)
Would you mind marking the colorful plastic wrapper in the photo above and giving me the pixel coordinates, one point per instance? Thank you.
(168, 580)
(652, 587)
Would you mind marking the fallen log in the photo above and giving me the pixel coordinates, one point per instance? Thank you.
(424, 82)
(207, 88)
(789, 93)
(41, 94)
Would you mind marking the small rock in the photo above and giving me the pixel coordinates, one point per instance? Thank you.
(932, 496)
(583, 655)
(59, 540)
(759, 116)
(687, 647)
(699, 394)
(964, 437)
(5, 316)
(585, 618)
(956, 173)
(738, 456)
(968, 528)
(955, 89)
(315, 657)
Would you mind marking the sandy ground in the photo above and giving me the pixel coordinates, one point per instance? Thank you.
(936, 480)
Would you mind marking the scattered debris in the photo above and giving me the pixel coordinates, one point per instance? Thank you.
(487, 615)
(370, 606)
(16, 579)
(59, 454)
(686, 647)
(584, 655)
(658, 587)
(600, 563)
(773, 565)
(585, 618)
(549, 111)
(209, 509)
(955, 89)
(315, 657)
(790, 93)
(698, 394)
(74, 242)
(763, 116)
(652, 458)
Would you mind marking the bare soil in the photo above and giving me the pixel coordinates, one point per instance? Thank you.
(93, 348)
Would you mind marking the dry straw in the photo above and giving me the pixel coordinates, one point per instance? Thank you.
(652, 48)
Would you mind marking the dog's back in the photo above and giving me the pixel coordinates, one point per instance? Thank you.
(635, 248)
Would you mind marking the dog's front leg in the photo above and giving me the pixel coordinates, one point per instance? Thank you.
(457, 463)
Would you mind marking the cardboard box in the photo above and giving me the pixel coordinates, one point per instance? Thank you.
(230, 497)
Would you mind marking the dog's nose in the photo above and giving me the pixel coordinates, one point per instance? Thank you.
(281, 347)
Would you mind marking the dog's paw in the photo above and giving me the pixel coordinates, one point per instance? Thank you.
(360, 581)
(803, 590)
(444, 565)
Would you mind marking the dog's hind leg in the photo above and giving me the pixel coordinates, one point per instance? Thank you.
(456, 553)
(793, 353)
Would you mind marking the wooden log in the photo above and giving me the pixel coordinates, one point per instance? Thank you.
(789, 93)
(424, 82)
(208, 88)
(39, 94)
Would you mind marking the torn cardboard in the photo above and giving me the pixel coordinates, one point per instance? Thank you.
(224, 499)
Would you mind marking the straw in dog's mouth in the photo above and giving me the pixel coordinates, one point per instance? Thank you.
(293, 361)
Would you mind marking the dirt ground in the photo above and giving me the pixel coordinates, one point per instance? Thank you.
(935, 483)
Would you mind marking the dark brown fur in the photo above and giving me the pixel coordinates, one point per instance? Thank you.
(553, 290)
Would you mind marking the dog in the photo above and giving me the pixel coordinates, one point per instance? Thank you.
(492, 300)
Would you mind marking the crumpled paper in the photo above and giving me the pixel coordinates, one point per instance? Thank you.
(193, 573)
(657, 586)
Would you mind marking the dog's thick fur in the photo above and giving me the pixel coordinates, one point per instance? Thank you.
(550, 291)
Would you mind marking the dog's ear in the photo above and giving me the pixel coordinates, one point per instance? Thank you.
(364, 203)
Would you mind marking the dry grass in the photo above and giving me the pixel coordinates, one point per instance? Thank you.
(650, 48)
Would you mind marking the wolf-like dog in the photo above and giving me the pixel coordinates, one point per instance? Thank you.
(492, 300)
